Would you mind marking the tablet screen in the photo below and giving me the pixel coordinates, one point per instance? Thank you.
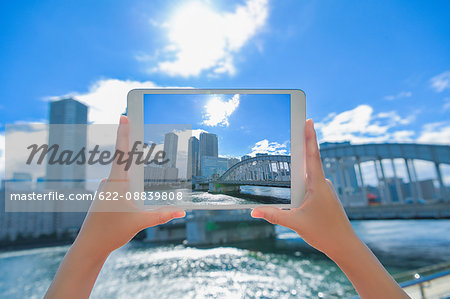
(225, 149)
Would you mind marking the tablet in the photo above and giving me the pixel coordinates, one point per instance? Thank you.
(217, 148)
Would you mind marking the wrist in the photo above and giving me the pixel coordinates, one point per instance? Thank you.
(90, 249)
(347, 248)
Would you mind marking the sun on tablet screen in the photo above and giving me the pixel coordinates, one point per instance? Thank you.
(220, 149)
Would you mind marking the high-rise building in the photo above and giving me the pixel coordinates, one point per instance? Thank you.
(208, 147)
(193, 154)
(245, 157)
(171, 148)
(232, 161)
(153, 175)
(22, 181)
(33, 223)
(66, 113)
(68, 129)
(213, 167)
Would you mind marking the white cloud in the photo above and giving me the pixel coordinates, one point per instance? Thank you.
(271, 148)
(402, 94)
(217, 111)
(403, 135)
(437, 132)
(107, 99)
(446, 105)
(196, 133)
(361, 125)
(393, 118)
(441, 82)
(203, 39)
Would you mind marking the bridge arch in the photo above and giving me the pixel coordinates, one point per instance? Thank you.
(366, 152)
(339, 160)
(268, 170)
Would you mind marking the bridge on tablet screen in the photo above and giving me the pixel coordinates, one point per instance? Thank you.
(266, 170)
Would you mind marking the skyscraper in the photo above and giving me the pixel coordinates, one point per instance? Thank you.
(68, 129)
(208, 147)
(232, 161)
(171, 148)
(193, 154)
(68, 111)
(213, 167)
(63, 114)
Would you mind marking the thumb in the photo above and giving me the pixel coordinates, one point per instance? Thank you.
(272, 215)
(121, 151)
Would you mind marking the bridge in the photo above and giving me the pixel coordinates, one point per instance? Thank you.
(342, 164)
(266, 170)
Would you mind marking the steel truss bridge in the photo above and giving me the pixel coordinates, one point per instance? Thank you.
(270, 170)
(341, 159)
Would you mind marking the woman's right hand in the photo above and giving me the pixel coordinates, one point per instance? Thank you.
(320, 220)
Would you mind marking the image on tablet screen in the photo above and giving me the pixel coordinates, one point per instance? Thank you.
(223, 148)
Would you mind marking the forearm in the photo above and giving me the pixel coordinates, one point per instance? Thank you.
(366, 273)
(77, 273)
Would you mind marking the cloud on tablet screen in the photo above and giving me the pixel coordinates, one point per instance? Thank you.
(270, 148)
(217, 111)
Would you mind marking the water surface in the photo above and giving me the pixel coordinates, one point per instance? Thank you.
(282, 268)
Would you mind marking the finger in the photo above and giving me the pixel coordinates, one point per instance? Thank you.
(314, 169)
(118, 171)
(161, 216)
(102, 184)
(330, 184)
(272, 215)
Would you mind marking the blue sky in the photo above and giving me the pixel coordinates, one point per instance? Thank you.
(244, 124)
(373, 71)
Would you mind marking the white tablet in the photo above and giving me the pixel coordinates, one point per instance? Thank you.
(217, 148)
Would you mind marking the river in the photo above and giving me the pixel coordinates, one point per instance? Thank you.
(247, 195)
(282, 268)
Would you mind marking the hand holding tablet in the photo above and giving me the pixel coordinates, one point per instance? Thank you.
(321, 221)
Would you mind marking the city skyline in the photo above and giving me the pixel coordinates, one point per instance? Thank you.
(376, 75)
(365, 83)
(366, 168)
(202, 158)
